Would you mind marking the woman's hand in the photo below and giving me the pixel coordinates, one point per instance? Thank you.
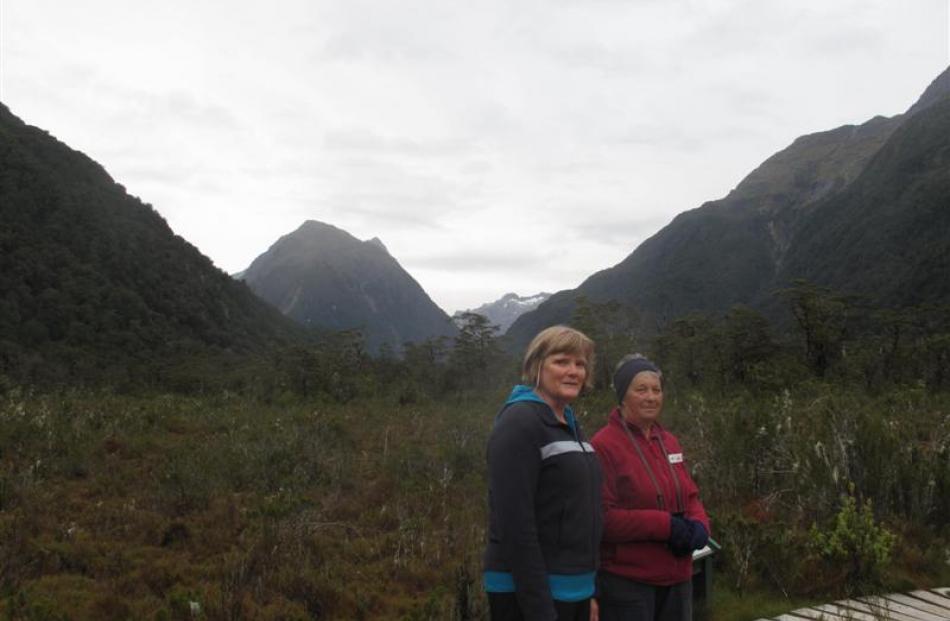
(594, 610)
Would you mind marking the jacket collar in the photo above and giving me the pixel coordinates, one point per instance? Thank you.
(615, 419)
(521, 393)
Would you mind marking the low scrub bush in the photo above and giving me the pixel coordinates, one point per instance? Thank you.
(855, 544)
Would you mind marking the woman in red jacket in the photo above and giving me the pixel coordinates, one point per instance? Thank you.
(653, 518)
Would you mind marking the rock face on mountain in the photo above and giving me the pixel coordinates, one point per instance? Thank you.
(322, 276)
(814, 210)
(503, 311)
(93, 279)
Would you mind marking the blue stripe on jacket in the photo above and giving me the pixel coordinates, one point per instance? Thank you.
(564, 587)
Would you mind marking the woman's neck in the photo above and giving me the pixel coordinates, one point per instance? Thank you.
(645, 426)
(556, 405)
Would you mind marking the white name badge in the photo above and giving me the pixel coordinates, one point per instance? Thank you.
(676, 458)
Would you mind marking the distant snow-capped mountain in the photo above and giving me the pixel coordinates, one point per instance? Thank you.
(504, 311)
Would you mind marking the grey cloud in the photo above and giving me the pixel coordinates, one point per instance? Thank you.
(384, 185)
(173, 107)
(624, 232)
(749, 27)
(656, 135)
(738, 31)
(361, 140)
(166, 173)
(601, 58)
(478, 260)
(55, 94)
(385, 217)
(377, 213)
(741, 104)
(140, 106)
(620, 3)
(184, 106)
(388, 48)
(861, 41)
(744, 101)
(372, 31)
(135, 168)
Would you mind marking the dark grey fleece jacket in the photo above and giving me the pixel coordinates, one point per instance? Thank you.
(545, 519)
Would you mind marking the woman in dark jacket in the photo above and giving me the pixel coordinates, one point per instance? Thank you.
(543, 489)
(653, 518)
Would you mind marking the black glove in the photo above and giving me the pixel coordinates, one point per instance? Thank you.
(698, 535)
(681, 534)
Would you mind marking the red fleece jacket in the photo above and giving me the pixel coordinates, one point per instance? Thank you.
(636, 527)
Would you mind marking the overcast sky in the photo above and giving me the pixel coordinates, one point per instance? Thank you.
(493, 146)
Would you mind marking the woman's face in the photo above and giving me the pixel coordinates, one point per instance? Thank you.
(562, 377)
(643, 401)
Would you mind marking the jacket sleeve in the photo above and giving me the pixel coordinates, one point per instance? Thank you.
(514, 465)
(620, 524)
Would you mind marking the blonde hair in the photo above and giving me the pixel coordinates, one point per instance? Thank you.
(557, 340)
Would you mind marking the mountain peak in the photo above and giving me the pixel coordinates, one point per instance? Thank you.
(324, 277)
(505, 310)
(315, 228)
(937, 90)
(315, 231)
(375, 241)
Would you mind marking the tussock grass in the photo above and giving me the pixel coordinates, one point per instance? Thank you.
(145, 507)
(224, 507)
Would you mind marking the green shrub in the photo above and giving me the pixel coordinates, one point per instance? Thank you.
(857, 543)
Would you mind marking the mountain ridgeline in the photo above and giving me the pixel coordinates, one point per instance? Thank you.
(323, 277)
(863, 210)
(95, 282)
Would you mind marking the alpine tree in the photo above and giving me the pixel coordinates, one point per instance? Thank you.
(746, 343)
(613, 327)
(475, 351)
(822, 317)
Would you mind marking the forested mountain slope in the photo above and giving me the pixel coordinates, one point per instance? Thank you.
(93, 280)
(886, 237)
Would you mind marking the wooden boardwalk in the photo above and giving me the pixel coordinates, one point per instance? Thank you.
(932, 605)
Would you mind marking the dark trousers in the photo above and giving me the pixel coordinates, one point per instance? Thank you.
(504, 607)
(621, 599)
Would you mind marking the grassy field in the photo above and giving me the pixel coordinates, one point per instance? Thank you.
(225, 507)
(141, 508)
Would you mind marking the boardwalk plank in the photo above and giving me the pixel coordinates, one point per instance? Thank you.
(933, 598)
(815, 614)
(939, 611)
(932, 605)
(848, 613)
(915, 613)
(876, 612)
